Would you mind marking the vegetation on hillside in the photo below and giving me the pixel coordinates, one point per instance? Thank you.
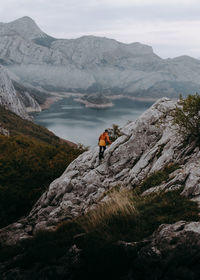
(18, 126)
(114, 132)
(30, 159)
(125, 216)
(186, 117)
(158, 177)
(131, 217)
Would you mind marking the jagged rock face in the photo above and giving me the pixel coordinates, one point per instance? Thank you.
(8, 96)
(31, 104)
(147, 145)
(93, 64)
(24, 95)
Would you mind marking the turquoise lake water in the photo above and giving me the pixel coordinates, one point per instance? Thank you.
(73, 121)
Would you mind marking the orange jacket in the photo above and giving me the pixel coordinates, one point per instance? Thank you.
(103, 139)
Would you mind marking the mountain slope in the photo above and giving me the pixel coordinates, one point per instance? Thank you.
(92, 64)
(30, 158)
(26, 27)
(147, 146)
(101, 216)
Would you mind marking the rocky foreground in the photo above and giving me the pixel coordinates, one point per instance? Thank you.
(147, 145)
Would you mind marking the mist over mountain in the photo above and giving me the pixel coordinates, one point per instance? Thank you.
(93, 64)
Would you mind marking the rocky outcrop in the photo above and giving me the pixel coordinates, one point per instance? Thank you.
(172, 252)
(147, 145)
(30, 102)
(8, 96)
(93, 64)
(4, 131)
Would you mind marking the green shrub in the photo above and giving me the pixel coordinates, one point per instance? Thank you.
(186, 117)
(114, 132)
(157, 177)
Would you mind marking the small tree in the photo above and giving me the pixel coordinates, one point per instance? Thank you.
(114, 132)
(187, 117)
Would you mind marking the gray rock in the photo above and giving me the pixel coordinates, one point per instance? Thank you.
(4, 131)
(8, 96)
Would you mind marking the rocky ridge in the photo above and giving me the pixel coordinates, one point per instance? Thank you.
(93, 64)
(147, 145)
(23, 26)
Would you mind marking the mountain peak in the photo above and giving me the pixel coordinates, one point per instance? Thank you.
(24, 19)
(26, 27)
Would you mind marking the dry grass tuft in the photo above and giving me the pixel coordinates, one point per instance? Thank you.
(117, 203)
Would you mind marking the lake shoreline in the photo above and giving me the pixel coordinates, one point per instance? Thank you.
(77, 98)
(75, 122)
(93, 105)
(56, 96)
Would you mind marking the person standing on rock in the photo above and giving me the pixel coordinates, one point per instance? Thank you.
(103, 140)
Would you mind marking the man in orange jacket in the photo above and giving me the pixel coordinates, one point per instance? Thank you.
(103, 140)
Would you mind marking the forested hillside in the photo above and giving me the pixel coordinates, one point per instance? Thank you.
(30, 159)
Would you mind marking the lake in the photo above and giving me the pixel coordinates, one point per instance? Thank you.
(71, 120)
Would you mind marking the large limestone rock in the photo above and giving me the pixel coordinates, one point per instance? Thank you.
(147, 145)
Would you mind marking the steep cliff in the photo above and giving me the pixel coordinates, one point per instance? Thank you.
(8, 96)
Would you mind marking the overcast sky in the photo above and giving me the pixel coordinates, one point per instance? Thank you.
(171, 28)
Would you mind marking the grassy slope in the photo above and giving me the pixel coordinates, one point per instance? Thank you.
(18, 126)
(30, 159)
(130, 218)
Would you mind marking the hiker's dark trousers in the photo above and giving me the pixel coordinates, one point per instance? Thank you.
(101, 151)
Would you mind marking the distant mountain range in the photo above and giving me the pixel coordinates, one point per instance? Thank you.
(92, 64)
